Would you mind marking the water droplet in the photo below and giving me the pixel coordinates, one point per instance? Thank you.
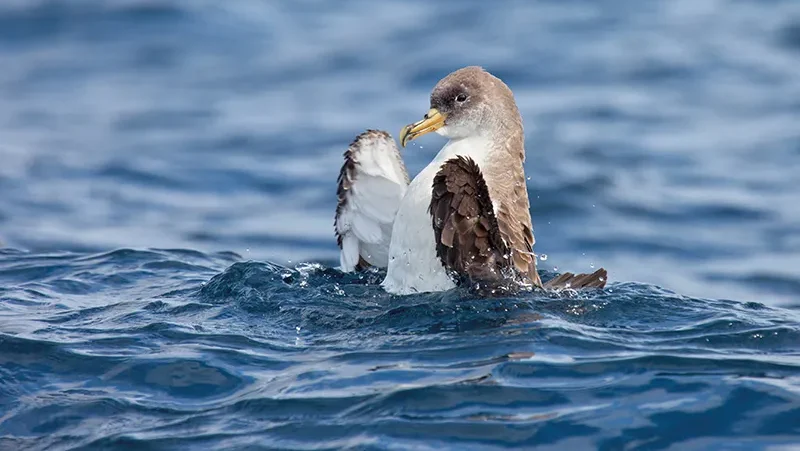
(247, 250)
(555, 268)
(529, 177)
(297, 329)
(591, 265)
(543, 257)
(602, 279)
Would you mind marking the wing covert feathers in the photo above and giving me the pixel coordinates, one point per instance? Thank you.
(475, 243)
(466, 232)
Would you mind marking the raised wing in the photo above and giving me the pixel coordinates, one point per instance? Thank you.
(372, 182)
(470, 238)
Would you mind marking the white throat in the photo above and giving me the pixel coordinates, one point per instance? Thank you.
(476, 147)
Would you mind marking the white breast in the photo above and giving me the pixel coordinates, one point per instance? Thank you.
(413, 264)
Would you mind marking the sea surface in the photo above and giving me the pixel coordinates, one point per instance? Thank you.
(168, 269)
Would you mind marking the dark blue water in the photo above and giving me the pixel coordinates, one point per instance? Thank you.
(167, 186)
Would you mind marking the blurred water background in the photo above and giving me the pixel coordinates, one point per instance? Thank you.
(150, 148)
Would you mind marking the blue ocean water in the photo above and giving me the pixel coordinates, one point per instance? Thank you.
(167, 267)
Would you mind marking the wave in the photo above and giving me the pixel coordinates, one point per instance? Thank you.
(174, 348)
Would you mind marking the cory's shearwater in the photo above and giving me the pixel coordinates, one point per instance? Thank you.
(465, 217)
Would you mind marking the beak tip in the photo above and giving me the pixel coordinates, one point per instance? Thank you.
(405, 135)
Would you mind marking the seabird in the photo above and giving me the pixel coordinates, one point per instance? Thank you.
(465, 217)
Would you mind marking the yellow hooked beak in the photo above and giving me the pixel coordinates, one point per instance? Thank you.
(432, 121)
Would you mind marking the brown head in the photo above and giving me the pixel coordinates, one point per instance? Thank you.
(468, 102)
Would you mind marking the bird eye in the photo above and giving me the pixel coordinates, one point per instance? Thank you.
(461, 98)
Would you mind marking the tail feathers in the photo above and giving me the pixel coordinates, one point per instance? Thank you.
(596, 279)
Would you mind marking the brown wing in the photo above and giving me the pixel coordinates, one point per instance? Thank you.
(473, 242)
(468, 240)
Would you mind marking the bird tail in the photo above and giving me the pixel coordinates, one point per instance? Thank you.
(596, 279)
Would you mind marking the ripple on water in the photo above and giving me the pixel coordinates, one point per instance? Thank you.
(264, 352)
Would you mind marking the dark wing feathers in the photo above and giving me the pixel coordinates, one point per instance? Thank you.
(473, 242)
(468, 240)
(343, 185)
(596, 279)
